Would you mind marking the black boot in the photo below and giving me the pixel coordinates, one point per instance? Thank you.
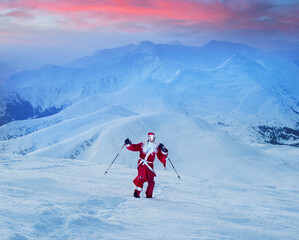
(136, 195)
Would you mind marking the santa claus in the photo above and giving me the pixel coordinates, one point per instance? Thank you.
(148, 150)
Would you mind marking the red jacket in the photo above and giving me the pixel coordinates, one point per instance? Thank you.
(148, 151)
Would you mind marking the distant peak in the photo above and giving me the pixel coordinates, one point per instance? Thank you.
(146, 43)
(229, 46)
(47, 65)
(175, 42)
(214, 43)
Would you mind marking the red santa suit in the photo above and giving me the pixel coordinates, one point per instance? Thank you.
(147, 153)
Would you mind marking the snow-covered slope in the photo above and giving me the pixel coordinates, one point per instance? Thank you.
(198, 147)
(48, 198)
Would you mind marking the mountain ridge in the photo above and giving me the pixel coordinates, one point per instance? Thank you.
(221, 78)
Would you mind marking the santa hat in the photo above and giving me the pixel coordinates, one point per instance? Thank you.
(151, 134)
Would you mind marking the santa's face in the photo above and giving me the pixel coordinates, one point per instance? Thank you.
(151, 138)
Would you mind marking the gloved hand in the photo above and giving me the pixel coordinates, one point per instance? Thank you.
(162, 147)
(128, 141)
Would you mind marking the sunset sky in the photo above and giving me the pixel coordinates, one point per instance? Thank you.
(33, 32)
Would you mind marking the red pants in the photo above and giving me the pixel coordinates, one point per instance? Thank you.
(144, 175)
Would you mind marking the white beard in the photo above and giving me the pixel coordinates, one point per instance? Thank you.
(149, 147)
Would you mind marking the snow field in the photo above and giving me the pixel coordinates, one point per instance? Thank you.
(46, 198)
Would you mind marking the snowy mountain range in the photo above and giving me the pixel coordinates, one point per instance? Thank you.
(228, 114)
(222, 82)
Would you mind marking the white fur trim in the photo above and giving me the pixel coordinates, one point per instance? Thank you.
(165, 153)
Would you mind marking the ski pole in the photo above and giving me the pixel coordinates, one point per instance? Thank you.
(114, 159)
(174, 168)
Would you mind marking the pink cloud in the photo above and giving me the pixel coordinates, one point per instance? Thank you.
(136, 15)
(19, 14)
